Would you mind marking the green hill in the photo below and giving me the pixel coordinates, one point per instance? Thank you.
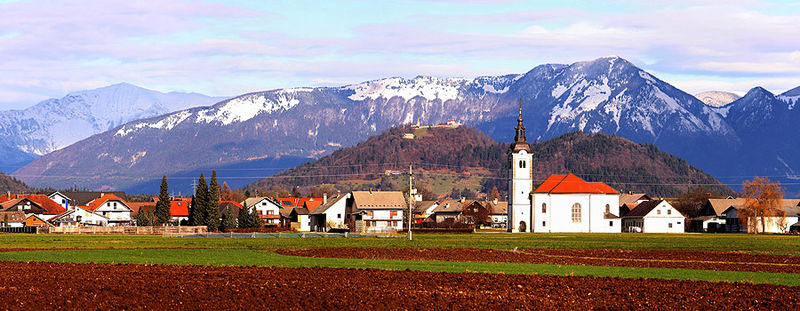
(449, 159)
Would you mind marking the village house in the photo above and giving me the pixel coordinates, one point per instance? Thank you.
(499, 213)
(656, 216)
(112, 207)
(37, 204)
(12, 219)
(771, 224)
(448, 210)
(628, 201)
(331, 214)
(567, 203)
(79, 216)
(267, 208)
(423, 210)
(377, 210)
(79, 198)
(35, 221)
(179, 210)
(710, 217)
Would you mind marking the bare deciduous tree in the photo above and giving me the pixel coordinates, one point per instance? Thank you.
(763, 201)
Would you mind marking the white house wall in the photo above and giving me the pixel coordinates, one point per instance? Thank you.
(115, 213)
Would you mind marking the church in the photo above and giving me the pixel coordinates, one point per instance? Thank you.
(562, 203)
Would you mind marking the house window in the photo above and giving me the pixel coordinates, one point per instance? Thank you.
(576, 212)
(339, 216)
(544, 224)
(263, 203)
(270, 212)
(608, 208)
(610, 223)
(679, 222)
(522, 164)
(658, 212)
(669, 212)
(670, 225)
(544, 208)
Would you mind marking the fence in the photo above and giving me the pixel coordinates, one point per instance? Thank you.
(18, 229)
(282, 235)
(161, 230)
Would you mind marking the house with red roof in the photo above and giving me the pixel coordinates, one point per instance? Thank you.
(113, 207)
(269, 210)
(567, 203)
(79, 216)
(37, 204)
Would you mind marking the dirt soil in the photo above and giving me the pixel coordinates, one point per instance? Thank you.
(34, 286)
(702, 260)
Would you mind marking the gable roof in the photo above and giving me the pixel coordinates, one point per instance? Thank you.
(500, 208)
(74, 210)
(296, 202)
(451, 206)
(632, 198)
(137, 207)
(331, 201)
(50, 206)
(560, 184)
(94, 205)
(82, 198)
(32, 220)
(423, 206)
(646, 207)
(179, 207)
(379, 200)
(719, 206)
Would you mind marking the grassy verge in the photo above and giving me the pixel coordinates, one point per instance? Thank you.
(238, 257)
(766, 244)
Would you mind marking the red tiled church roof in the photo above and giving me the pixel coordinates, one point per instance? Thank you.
(570, 183)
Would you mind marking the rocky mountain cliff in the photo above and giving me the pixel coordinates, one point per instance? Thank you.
(56, 123)
(607, 95)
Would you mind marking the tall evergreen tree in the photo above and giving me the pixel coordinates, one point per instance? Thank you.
(228, 219)
(200, 202)
(212, 207)
(191, 211)
(254, 220)
(244, 218)
(145, 217)
(162, 207)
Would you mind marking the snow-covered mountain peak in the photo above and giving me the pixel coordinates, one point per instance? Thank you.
(717, 98)
(430, 88)
(246, 107)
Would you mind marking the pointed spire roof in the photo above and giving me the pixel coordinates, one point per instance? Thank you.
(519, 136)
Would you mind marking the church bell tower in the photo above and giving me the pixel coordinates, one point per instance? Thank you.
(520, 184)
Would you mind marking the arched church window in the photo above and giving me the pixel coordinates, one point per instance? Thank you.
(608, 208)
(576, 212)
(544, 207)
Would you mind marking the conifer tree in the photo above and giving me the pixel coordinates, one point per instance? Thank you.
(191, 211)
(162, 207)
(200, 203)
(244, 218)
(145, 217)
(212, 205)
(228, 219)
(255, 221)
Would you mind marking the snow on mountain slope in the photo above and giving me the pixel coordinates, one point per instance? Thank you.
(607, 95)
(57, 123)
(717, 98)
(791, 97)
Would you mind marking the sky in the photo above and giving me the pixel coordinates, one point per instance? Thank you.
(223, 48)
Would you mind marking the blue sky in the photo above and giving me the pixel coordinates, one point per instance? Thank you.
(49, 48)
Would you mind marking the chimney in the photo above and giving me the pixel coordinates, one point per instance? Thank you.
(324, 198)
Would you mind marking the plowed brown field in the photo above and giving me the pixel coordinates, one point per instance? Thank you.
(702, 260)
(35, 286)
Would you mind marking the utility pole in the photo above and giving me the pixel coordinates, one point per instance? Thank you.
(410, 199)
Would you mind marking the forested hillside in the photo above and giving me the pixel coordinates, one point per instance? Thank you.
(10, 184)
(463, 153)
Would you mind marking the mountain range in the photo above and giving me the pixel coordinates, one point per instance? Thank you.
(607, 95)
(56, 123)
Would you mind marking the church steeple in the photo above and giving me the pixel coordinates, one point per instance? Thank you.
(519, 137)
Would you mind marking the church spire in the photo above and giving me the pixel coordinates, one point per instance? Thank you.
(520, 135)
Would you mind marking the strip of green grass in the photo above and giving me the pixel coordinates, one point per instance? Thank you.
(241, 257)
(768, 244)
